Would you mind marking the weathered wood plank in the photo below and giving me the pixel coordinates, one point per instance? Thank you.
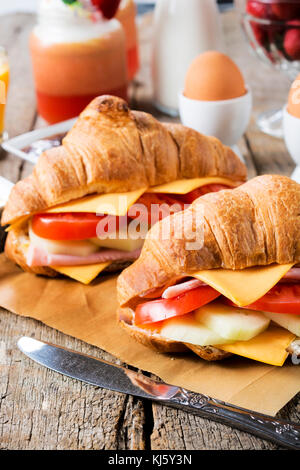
(182, 431)
(40, 409)
(269, 154)
(177, 430)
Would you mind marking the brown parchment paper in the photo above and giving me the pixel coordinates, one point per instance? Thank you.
(89, 314)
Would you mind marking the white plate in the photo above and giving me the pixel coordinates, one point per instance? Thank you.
(16, 145)
(5, 187)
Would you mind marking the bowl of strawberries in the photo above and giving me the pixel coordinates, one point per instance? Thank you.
(272, 28)
(273, 31)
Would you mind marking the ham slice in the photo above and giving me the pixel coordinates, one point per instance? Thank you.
(174, 291)
(293, 274)
(38, 257)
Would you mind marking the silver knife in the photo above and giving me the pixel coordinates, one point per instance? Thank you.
(120, 379)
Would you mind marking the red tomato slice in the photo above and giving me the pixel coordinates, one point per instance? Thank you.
(282, 298)
(161, 309)
(147, 207)
(66, 226)
(208, 188)
(82, 225)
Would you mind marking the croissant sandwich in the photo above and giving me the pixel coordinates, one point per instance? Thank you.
(221, 277)
(71, 214)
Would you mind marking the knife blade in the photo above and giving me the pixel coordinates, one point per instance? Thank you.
(117, 378)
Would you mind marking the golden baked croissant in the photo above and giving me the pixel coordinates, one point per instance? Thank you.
(112, 149)
(254, 225)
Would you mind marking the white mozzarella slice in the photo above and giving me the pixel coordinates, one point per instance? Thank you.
(66, 247)
(235, 324)
(188, 330)
(288, 321)
(119, 241)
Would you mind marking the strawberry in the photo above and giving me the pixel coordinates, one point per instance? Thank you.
(292, 43)
(294, 23)
(260, 34)
(107, 7)
(285, 11)
(258, 9)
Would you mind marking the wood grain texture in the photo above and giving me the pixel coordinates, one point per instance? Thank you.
(40, 409)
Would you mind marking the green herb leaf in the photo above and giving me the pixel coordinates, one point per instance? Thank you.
(69, 2)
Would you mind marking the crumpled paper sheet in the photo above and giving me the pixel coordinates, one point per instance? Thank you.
(89, 314)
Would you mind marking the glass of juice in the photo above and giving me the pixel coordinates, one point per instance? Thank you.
(4, 81)
(76, 56)
(127, 16)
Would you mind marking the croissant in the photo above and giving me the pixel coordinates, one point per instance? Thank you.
(112, 149)
(256, 224)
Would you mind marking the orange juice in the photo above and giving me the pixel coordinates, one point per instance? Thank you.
(4, 81)
(69, 75)
(75, 58)
(127, 15)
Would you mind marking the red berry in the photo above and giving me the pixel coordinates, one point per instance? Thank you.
(294, 23)
(292, 43)
(284, 11)
(260, 34)
(108, 7)
(96, 3)
(257, 9)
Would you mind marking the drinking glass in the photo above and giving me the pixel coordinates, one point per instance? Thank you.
(4, 82)
(272, 28)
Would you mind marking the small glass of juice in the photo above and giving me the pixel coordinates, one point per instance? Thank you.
(127, 16)
(4, 81)
(77, 54)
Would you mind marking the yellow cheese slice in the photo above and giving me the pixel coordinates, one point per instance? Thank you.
(119, 203)
(185, 186)
(112, 204)
(268, 347)
(244, 286)
(83, 274)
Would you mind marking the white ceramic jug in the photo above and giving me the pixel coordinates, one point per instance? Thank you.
(182, 30)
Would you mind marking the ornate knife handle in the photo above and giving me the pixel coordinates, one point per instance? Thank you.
(281, 432)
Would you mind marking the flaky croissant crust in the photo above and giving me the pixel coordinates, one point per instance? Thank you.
(257, 223)
(114, 149)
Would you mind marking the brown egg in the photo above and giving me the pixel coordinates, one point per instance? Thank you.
(294, 98)
(213, 76)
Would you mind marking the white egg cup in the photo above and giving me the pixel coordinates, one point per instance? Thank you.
(291, 133)
(227, 119)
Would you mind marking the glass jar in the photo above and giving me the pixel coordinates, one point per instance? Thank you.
(4, 82)
(76, 55)
(272, 28)
(127, 15)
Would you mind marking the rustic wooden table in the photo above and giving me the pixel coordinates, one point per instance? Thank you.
(40, 409)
